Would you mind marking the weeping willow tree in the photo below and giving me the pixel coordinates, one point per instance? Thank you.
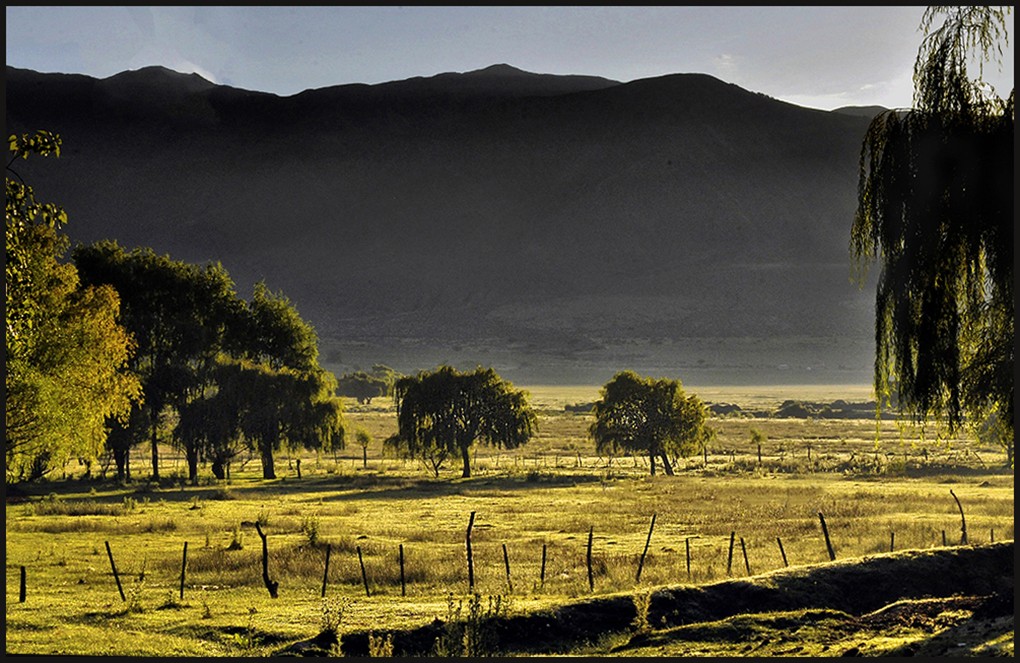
(935, 209)
(444, 412)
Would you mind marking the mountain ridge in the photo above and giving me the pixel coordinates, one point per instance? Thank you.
(538, 232)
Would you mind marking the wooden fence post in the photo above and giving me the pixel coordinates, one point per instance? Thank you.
(781, 551)
(963, 522)
(729, 558)
(364, 577)
(184, 568)
(470, 560)
(743, 548)
(541, 575)
(892, 541)
(325, 572)
(591, 578)
(687, 544)
(506, 563)
(403, 587)
(114, 567)
(641, 563)
(943, 538)
(271, 585)
(828, 543)
(22, 587)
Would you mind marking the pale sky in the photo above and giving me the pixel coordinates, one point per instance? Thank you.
(815, 56)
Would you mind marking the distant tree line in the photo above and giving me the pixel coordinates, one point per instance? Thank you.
(364, 386)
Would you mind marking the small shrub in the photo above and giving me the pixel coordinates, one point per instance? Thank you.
(380, 647)
(472, 634)
(333, 614)
(642, 601)
(236, 542)
(310, 527)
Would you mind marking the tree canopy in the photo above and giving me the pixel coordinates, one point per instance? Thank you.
(67, 355)
(229, 369)
(647, 415)
(445, 412)
(935, 209)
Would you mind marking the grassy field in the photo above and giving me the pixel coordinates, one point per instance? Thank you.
(893, 493)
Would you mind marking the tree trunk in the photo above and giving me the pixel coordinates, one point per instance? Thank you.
(121, 458)
(218, 468)
(191, 453)
(364, 457)
(466, 457)
(651, 460)
(268, 469)
(155, 450)
(666, 466)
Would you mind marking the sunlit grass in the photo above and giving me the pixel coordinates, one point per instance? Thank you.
(550, 492)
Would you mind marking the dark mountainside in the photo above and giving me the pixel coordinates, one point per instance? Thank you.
(556, 228)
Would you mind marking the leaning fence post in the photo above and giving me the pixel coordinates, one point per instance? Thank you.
(364, 577)
(114, 567)
(506, 563)
(729, 558)
(470, 561)
(963, 522)
(743, 548)
(828, 543)
(641, 563)
(184, 568)
(781, 551)
(591, 578)
(272, 585)
(541, 575)
(403, 587)
(325, 572)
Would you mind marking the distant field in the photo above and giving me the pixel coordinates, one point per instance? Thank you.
(876, 493)
(748, 397)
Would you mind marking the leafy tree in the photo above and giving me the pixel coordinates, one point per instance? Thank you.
(288, 399)
(935, 208)
(233, 372)
(649, 416)
(362, 386)
(364, 439)
(178, 313)
(66, 354)
(445, 412)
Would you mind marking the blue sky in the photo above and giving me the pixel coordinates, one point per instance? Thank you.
(816, 56)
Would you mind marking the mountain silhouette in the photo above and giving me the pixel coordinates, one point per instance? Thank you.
(558, 228)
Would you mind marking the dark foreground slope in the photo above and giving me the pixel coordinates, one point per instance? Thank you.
(926, 602)
(558, 228)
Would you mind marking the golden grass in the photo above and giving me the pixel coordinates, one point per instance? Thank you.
(550, 492)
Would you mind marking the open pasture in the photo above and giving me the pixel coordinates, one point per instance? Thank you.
(546, 496)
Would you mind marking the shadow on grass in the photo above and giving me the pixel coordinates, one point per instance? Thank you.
(348, 487)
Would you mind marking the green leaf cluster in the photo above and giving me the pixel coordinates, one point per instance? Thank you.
(237, 375)
(651, 416)
(445, 412)
(67, 355)
(935, 209)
